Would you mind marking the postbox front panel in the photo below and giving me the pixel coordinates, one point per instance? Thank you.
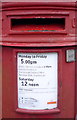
(37, 80)
(38, 60)
(32, 69)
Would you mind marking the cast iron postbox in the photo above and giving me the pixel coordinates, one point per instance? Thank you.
(38, 60)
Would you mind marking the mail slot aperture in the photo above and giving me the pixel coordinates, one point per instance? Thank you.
(38, 24)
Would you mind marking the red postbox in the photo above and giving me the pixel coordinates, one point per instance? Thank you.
(38, 60)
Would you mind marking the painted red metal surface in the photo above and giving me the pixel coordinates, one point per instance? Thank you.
(66, 87)
(12, 35)
(38, 38)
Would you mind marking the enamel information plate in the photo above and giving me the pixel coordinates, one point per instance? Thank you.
(37, 75)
